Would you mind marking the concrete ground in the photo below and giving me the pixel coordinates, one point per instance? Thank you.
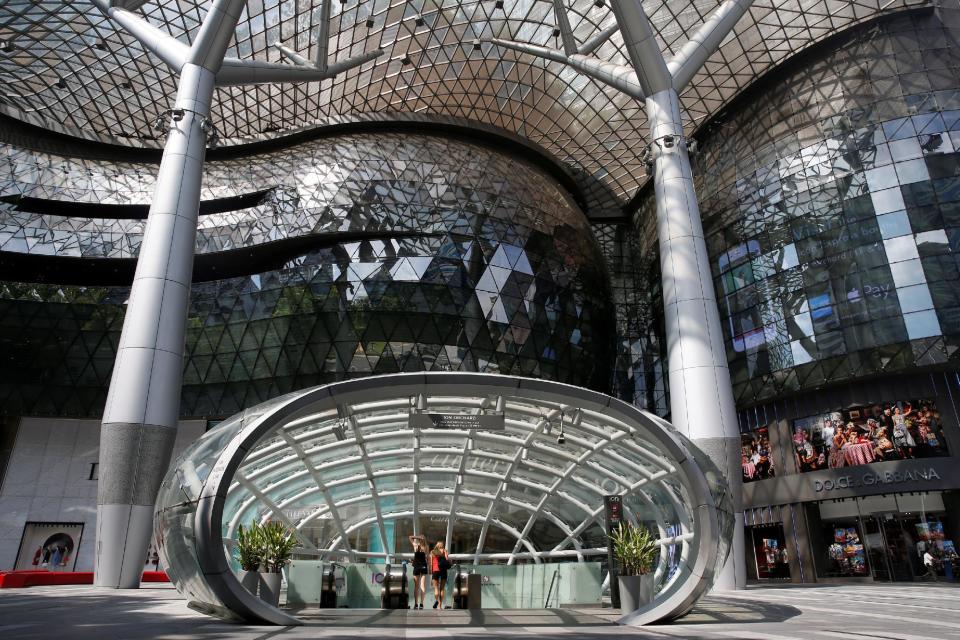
(891, 612)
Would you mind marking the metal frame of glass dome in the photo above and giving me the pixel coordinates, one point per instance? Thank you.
(345, 452)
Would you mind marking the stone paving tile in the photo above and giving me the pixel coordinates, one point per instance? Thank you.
(886, 612)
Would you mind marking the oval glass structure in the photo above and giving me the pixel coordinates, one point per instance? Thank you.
(515, 469)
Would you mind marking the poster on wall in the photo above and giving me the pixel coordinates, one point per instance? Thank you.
(755, 458)
(902, 429)
(846, 553)
(50, 546)
(930, 531)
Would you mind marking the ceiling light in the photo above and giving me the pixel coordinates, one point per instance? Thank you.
(420, 21)
(406, 60)
(498, 4)
(369, 23)
(61, 83)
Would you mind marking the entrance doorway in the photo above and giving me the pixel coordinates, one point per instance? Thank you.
(895, 543)
(769, 552)
(888, 548)
(882, 537)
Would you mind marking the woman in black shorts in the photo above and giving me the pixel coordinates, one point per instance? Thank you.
(419, 569)
(439, 563)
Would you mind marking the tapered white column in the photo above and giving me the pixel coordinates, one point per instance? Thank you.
(140, 417)
(701, 395)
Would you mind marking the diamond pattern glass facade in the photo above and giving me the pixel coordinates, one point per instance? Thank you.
(639, 370)
(468, 260)
(66, 67)
(831, 204)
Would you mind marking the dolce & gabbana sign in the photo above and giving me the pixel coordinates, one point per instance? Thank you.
(874, 478)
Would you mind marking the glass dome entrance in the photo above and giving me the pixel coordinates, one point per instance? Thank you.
(503, 470)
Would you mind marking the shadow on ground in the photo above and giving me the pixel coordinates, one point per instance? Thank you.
(716, 609)
(96, 614)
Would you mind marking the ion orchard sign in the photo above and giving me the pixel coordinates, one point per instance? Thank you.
(457, 421)
(872, 478)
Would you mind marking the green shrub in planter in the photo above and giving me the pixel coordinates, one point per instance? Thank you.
(250, 552)
(635, 549)
(250, 549)
(278, 544)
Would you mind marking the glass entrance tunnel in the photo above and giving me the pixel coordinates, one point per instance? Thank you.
(509, 473)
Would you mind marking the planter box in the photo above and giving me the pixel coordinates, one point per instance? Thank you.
(635, 592)
(270, 588)
(250, 581)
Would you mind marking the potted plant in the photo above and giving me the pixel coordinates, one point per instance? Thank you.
(635, 549)
(249, 553)
(278, 546)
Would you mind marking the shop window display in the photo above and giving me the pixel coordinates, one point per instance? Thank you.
(859, 435)
(770, 552)
(845, 550)
(883, 537)
(755, 459)
(49, 546)
(931, 537)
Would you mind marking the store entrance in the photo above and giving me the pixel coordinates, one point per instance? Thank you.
(890, 547)
(882, 537)
(769, 552)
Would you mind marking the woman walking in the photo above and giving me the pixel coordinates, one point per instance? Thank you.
(439, 564)
(419, 569)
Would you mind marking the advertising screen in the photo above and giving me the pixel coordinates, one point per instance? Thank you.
(755, 459)
(859, 435)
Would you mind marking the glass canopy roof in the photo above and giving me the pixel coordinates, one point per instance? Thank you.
(65, 67)
(347, 469)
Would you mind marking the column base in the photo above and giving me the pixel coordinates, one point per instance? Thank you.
(123, 536)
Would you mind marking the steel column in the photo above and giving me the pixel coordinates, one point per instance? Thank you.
(140, 417)
(701, 395)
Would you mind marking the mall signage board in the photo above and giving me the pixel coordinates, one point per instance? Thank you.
(457, 421)
(613, 515)
(864, 480)
(871, 478)
(613, 508)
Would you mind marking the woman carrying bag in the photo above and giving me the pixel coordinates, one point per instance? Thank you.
(439, 565)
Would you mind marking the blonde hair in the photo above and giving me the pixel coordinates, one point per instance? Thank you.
(438, 548)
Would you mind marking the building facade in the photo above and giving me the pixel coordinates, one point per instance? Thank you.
(429, 213)
(342, 257)
(829, 193)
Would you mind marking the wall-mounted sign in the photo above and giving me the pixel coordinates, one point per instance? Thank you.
(50, 546)
(457, 421)
(613, 508)
(613, 514)
(871, 478)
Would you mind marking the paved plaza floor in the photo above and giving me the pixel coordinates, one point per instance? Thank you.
(891, 612)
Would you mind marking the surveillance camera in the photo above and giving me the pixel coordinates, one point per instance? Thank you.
(668, 142)
(561, 439)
